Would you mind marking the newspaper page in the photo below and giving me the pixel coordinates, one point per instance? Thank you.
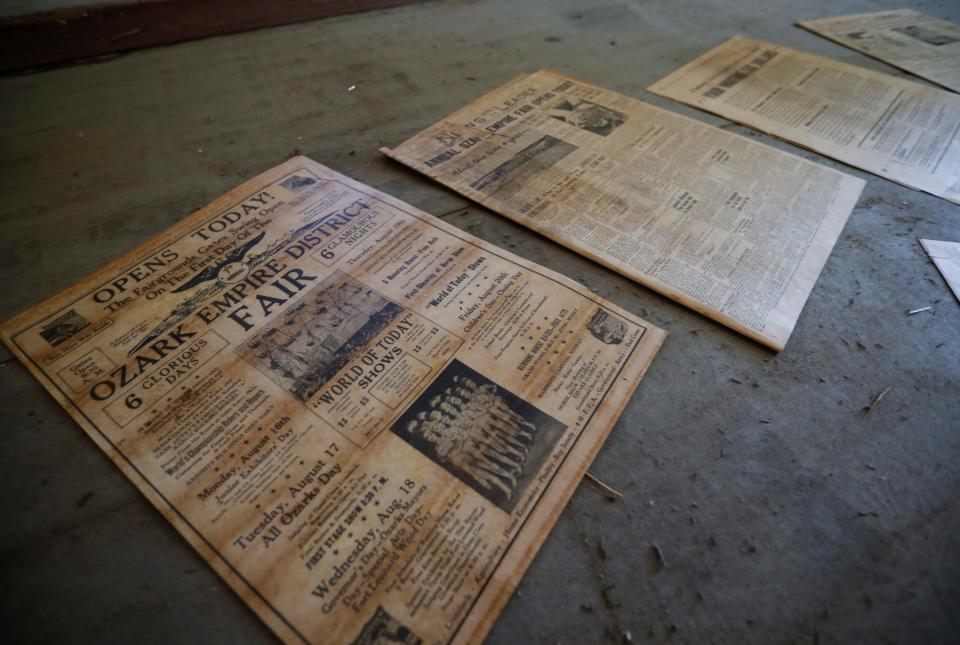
(914, 42)
(734, 229)
(946, 256)
(363, 418)
(891, 127)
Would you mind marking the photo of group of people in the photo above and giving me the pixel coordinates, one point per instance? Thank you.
(481, 433)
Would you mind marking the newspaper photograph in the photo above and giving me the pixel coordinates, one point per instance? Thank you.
(731, 228)
(914, 42)
(894, 128)
(364, 419)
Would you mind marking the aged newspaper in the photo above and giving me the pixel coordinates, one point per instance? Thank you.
(914, 42)
(946, 256)
(363, 418)
(892, 127)
(731, 228)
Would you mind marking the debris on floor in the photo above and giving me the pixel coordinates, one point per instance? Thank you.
(611, 493)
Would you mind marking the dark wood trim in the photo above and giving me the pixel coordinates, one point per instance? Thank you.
(53, 38)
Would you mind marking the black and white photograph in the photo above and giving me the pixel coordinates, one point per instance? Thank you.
(524, 167)
(925, 35)
(313, 340)
(481, 433)
(63, 328)
(384, 629)
(588, 116)
(296, 183)
(607, 327)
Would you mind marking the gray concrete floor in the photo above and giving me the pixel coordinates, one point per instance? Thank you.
(826, 524)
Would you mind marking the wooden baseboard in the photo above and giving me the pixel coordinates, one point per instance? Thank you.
(54, 38)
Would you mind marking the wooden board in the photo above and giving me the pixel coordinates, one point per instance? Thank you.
(63, 36)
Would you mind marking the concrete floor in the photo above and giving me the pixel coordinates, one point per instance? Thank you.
(785, 513)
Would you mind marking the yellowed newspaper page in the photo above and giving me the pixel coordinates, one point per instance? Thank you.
(914, 42)
(894, 128)
(734, 229)
(363, 418)
(946, 255)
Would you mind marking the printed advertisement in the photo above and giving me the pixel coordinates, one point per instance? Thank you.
(366, 420)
